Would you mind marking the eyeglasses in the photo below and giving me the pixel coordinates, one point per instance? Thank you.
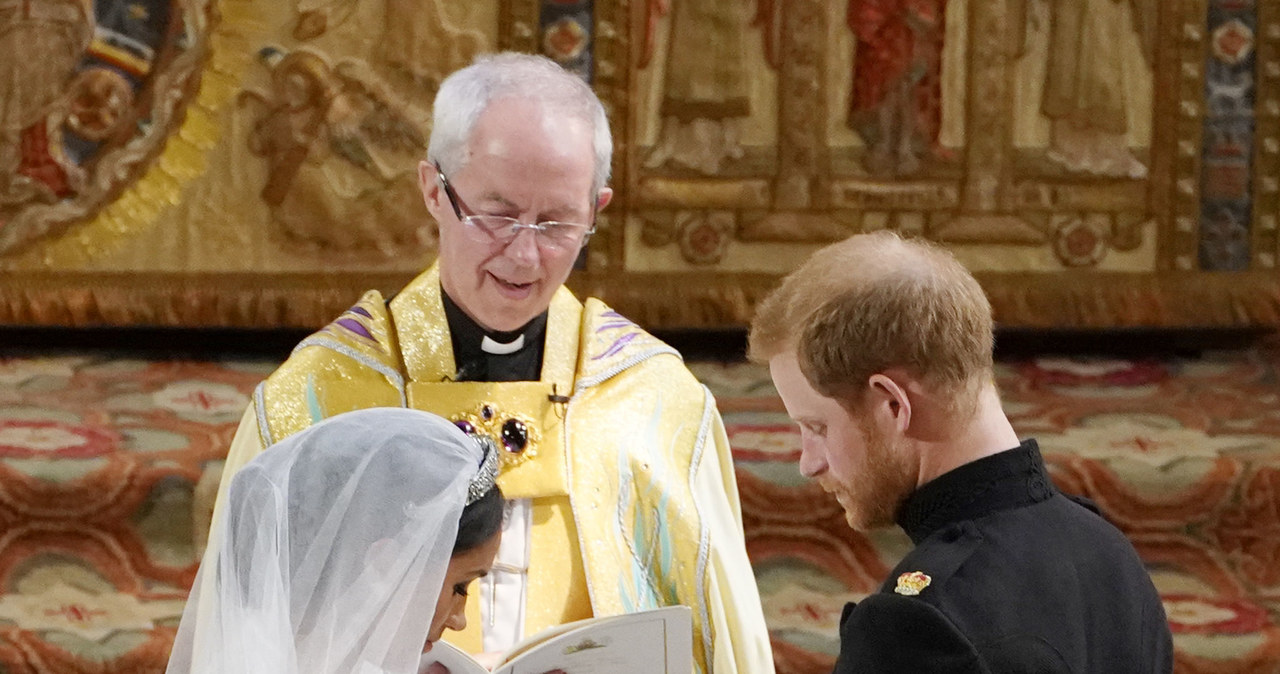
(502, 229)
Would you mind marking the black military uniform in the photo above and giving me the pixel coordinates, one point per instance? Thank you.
(1008, 575)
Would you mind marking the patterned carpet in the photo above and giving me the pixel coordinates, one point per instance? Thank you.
(101, 460)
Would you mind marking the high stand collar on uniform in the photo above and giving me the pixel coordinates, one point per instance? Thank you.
(1005, 480)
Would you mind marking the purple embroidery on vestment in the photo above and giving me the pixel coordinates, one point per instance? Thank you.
(617, 345)
(355, 326)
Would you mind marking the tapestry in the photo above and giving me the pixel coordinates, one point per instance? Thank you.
(1096, 163)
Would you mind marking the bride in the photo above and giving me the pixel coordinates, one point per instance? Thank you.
(346, 548)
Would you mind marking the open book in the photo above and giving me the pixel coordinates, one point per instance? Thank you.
(659, 641)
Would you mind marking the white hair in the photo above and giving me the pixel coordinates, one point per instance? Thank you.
(466, 93)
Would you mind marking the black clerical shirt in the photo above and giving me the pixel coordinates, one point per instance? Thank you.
(1008, 575)
(475, 364)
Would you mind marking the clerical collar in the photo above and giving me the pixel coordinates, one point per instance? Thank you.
(1008, 479)
(488, 345)
(477, 351)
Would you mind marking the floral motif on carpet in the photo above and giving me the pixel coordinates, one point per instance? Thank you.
(101, 460)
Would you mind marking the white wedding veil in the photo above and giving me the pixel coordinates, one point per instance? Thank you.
(332, 550)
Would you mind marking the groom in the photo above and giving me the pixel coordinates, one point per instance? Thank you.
(881, 350)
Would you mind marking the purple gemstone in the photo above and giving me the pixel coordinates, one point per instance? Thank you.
(466, 426)
(486, 412)
(515, 436)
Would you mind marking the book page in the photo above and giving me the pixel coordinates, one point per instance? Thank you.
(651, 642)
(445, 658)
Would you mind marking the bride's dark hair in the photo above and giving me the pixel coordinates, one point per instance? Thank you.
(480, 521)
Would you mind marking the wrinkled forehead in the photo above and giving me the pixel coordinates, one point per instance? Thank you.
(511, 163)
(548, 115)
(516, 127)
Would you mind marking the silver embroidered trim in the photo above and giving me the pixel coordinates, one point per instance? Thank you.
(704, 531)
(260, 410)
(599, 378)
(626, 497)
(393, 376)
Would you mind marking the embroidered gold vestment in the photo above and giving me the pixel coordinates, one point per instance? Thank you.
(620, 449)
